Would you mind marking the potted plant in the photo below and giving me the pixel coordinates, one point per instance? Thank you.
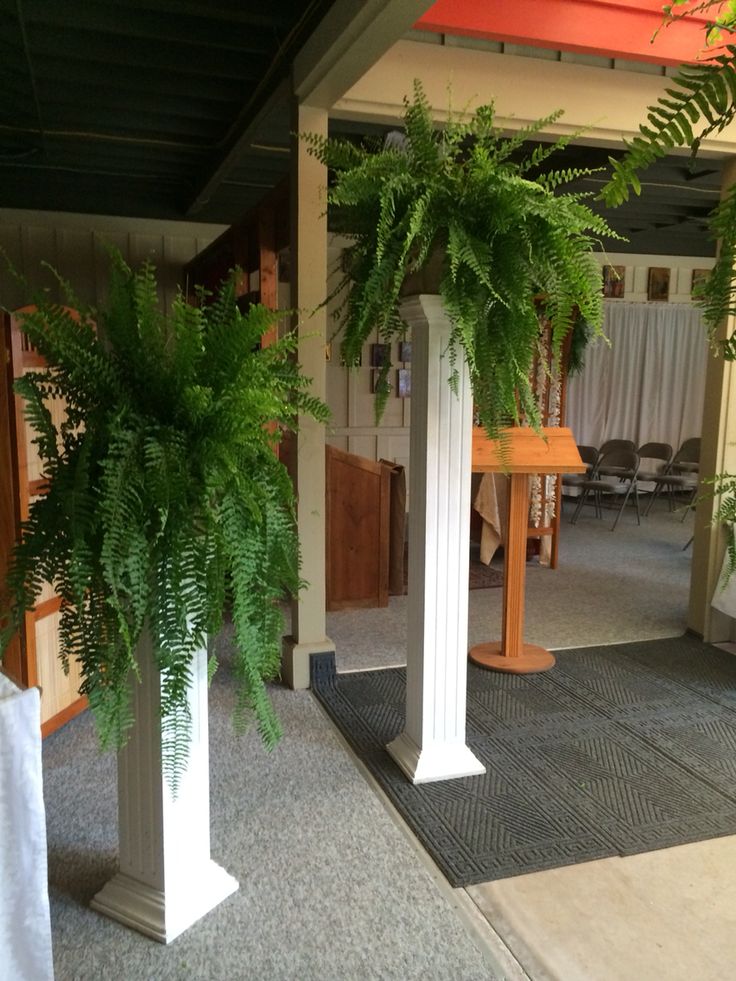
(483, 212)
(165, 504)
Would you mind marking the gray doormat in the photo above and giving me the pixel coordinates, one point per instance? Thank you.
(616, 750)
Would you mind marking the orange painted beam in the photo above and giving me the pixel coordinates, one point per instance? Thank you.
(610, 28)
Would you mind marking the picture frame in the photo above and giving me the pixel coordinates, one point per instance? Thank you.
(405, 352)
(613, 282)
(658, 288)
(403, 383)
(375, 377)
(380, 355)
(698, 279)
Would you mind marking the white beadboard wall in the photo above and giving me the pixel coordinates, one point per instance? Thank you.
(74, 245)
(636, 278)
(353, 426)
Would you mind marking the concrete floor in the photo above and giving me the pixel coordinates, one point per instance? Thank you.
(668, 915)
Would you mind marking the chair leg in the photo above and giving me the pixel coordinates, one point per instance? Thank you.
(623, 505)
(690, 504)
(579, 508)
(636, 502)
(654, 494)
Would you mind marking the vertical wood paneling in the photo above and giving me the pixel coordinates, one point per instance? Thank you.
(75, 246)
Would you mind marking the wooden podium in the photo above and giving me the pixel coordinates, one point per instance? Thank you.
(524, 453)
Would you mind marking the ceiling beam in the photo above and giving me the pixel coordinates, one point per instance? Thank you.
(349, 41)
(277, 103)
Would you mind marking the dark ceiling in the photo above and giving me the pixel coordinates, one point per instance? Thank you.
(131, 107)
(154, 108)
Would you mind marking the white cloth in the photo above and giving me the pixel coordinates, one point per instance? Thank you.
(25, 925)
(649, 384)
(491, 503)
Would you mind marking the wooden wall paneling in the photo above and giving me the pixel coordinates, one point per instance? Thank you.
(12, 658)
(357, 524)
(40, 664)
(268, 281)
(18, 352)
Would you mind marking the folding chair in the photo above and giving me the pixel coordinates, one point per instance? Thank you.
(615, 475)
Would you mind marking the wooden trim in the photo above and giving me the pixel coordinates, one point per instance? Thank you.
(606, 28)
(38, 487)
(47, 608)
(66, 715)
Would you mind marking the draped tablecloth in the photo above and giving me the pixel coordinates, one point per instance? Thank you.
(25, 925)
(492, 504)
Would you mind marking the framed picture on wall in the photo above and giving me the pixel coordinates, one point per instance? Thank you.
(403, 387)
(698, 280)
(659, 283)
(613, 281)
(380, 355)
(376, 379)
(405, 351)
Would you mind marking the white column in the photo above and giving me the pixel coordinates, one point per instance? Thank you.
(167, 880)
(309, 288)
(432, 746)
(717, 455)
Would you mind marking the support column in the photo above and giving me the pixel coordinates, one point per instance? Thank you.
(167, 880)
(717, 455)
(309, 288)
(432, 745)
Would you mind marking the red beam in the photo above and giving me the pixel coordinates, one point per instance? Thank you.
(610, 28)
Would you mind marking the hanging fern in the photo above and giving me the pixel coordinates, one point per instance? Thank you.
(700, 101)
(505, 232)
(165, 498)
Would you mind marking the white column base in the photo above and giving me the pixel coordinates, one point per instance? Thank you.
(441, 761)
(163, 916)
(166, 879)
(295, 659)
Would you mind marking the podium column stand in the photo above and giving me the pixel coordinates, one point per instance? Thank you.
(524, 453)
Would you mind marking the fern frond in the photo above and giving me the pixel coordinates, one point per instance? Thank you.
(166, 500)
(504, 236)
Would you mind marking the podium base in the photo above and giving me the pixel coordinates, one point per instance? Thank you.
(531, 660)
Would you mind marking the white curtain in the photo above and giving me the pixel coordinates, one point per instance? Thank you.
(648, 384)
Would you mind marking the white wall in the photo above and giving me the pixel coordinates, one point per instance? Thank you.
(637, 274)
(73, 245)
(353, 427)
(349, 396)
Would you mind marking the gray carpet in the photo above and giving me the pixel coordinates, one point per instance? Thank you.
(618, 750)
(481, 576)
(330, 888)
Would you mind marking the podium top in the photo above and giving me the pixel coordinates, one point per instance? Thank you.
(527, 452)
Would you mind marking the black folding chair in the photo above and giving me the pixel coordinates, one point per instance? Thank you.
(615, 476)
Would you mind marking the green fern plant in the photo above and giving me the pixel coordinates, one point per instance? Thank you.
(700, 101)
(166, 501)
(503, 226)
